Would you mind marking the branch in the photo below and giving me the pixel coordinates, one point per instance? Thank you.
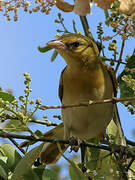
(106, 59)
(90, 102)
(112, 147)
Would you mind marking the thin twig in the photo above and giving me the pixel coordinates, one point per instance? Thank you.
(120, 58)
(106, 59)
(90, 102)
(44, 122)
(16, 144)
(122, 48)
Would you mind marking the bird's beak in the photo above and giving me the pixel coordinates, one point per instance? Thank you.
(57, 44)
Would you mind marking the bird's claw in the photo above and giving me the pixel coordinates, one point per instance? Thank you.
(74, 143)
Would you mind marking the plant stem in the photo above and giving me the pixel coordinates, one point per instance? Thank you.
(86, 27)
(120, 58)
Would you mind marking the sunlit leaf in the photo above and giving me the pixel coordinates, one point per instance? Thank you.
(125, 90)
(12, 155)
(44, 49)
(133, 170)
(75, 172)
(107, 168)
(15, 126)
(25, 163)
(54, 55)
(6, 96)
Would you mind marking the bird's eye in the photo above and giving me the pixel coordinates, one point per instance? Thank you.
(75, 44)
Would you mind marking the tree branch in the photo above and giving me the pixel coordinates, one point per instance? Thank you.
(111, 147)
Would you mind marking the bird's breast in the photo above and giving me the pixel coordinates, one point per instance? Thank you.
(86, 122)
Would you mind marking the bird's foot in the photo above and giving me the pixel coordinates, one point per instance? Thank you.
(74, 143)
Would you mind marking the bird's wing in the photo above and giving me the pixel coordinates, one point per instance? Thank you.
(61, 85)
(116, 117)
(113, 78)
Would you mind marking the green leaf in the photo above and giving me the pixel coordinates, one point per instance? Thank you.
(113, 133)
(112, 128)
(38, 133)
(75, 30)
(44, 49)
(125, 89)
(133, 170)
(13, 157)
(54, 55)
(76, 173)
(74, 170)
(92, 164)
(49, 174)
(107, 167)
(6, 96)
(26, 162)
(30, 175)
(106, 14)
(93, 158)
(39, 171)
(3, 170)
(15, 126)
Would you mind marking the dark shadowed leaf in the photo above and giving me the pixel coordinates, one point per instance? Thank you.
(3, 170)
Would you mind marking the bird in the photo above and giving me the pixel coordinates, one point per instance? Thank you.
(86, 77)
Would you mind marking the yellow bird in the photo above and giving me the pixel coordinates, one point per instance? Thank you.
(84, 78)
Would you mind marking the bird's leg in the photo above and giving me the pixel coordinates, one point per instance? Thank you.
(75, 143)
(83, 151)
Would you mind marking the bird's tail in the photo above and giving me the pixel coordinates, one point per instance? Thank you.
(50, 153)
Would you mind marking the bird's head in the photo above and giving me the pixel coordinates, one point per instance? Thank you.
(75, 49)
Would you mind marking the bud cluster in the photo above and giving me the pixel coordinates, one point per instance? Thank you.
(6, 6)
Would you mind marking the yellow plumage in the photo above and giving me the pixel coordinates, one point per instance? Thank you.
(84, 78)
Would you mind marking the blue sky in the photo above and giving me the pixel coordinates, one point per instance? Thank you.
(18, 54)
